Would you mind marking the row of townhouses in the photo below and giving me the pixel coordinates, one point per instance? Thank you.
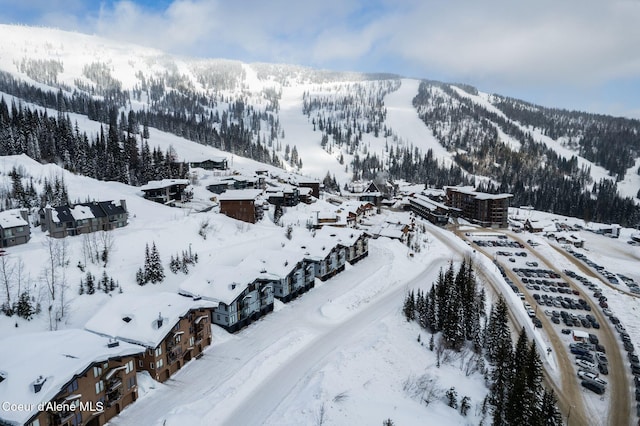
(86, 377)
(63, 221)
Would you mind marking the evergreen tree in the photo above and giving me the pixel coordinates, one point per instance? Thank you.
(24, 307)
(465, 405)
(409, 307)
(549, 413)
(154, 271)
(452, 398)
(90, 283)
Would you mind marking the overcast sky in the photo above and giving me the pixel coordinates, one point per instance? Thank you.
(577, 54)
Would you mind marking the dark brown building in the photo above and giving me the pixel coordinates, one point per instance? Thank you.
(172, 329)
(244, 205)
(488, 210)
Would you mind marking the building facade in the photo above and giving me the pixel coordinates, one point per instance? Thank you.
(488, 210)
(14, 228)
(68, 377)
(84, 218)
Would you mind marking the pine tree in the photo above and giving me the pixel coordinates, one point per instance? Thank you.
(154, 271)
(517, 407)
(140, 277)
(549, 413)
(90, 283)
(452, 398)
(465, 405)
(409, 307)
(24, 307)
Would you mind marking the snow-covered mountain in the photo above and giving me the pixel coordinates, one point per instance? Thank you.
(342, 353)
(343, 125)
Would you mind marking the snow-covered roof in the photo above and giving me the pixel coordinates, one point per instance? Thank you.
(56, 356)
(316, 248)
(344, 236)
(240, 194)
(218, 283)
(164, 183)
(428, 202)
(470, 190)
(134, 318)
(11, 219)
(272, 263)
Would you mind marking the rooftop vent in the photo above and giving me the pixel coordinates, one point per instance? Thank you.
(232, 286)
(126, 319)
(39, 382)
(3, 376)
(113, 343)
(159, 319)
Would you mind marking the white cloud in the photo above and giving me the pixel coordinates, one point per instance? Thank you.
(580, 43)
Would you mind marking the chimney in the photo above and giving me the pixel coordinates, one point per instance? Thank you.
(159, 319)
(37, 385)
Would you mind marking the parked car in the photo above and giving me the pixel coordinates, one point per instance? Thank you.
(603, 368)
(586, 365)
(593, 386)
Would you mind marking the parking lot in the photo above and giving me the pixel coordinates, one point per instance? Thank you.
(564, 304)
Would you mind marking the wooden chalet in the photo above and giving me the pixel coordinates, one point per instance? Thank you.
(66, 377)
(245, 205)
(171, 328)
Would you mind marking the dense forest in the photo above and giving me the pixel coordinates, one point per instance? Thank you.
(489, 144)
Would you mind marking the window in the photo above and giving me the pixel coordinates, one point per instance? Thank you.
(97, 372)
(99, 386)
(218, 317)
(178, 338)
(192, 340)
(140, 363)
(77, 419)
(131, 382)
(158, 351)
(151, 365)
(73, 386)
(128, 368)
(36, 422)
(160, 363)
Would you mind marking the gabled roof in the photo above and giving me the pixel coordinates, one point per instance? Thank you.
(112, 208)
(94, 209)
(11, 219)
(134, 318)
(218, 283)
(316, 248)
(56, 356)
(344, 236)
(272, 264)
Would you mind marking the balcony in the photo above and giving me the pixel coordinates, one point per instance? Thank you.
(113, 397)
(61, 418)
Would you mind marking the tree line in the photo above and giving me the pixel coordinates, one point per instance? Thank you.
(453, 311)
